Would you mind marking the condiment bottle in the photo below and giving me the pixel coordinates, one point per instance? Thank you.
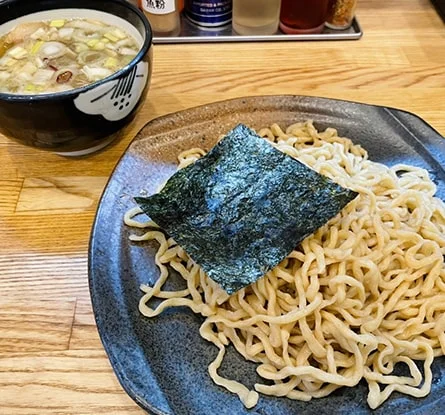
(256, 17)
(163, 16)
(209, 13)
(303, 16)
(340, 14)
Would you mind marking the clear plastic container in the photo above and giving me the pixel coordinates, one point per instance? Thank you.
(256, 17)
(340, 14)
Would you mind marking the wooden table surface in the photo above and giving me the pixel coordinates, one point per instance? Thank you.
(51, 358)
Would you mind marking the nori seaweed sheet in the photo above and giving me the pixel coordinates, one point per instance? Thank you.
(243, 207)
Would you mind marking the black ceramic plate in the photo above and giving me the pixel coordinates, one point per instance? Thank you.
(162, 362)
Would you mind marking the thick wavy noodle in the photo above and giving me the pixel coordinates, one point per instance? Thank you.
(363, 294)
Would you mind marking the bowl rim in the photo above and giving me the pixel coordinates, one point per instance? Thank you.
(72, 93)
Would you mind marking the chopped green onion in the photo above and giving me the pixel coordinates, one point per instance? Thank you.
(111, 36)
(119, 34)
(38, 34)
(18, 52)
(30, 88)
(57, 23)
(99, 46)
(93, 42)
(111, 63)
(35, 48)
(80, 47)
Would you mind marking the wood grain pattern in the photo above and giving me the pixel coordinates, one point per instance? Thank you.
(32, 326)
(69, 382)
(53, 195)
(51, 357)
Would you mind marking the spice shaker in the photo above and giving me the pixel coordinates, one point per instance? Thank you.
(340, 14)
(209, 13)
(256, 17)
(303, 16)
(163, 16)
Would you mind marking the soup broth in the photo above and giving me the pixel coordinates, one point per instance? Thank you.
(59, 55)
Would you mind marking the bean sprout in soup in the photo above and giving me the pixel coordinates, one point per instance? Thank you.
(59, 55)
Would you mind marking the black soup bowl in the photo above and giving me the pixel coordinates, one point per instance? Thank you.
(82, 120)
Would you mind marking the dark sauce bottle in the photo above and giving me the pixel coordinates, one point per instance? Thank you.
(303, 16)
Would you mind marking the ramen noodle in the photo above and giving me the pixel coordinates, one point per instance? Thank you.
(364, 293)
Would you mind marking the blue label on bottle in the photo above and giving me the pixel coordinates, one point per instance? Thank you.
(209, 12)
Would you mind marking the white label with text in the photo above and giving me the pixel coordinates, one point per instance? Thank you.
(159, 6)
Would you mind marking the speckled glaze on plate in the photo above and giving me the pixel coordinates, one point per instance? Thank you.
(162, 362)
